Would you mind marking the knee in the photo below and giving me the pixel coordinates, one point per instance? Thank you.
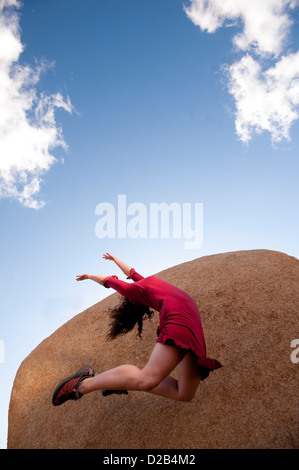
(186, 398)
(147, 383)
(187, 395)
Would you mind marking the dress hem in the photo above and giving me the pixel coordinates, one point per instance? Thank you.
(205, 364)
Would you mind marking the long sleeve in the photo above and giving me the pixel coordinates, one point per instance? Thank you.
(122, 287)
(134, 275)
(127, 289)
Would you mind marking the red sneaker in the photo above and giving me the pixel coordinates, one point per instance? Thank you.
(67, 389)
(86, 370)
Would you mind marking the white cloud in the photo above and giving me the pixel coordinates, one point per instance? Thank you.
(266, 23)
(28, 130)
(266, 99)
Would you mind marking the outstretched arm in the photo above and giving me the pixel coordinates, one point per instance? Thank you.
(123, 288)
(99, 278)
(124, 267)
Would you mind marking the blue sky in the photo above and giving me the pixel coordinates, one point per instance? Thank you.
(150, 100)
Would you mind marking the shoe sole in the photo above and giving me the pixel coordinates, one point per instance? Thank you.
(106, 393)
(87, 369)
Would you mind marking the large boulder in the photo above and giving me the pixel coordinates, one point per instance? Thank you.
(249, 304)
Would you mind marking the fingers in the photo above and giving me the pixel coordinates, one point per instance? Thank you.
(108, 256)
(81, 277)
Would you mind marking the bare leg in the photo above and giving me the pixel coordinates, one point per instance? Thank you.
(163, 360)
(154, 377)
(125, 377)
(185, 387)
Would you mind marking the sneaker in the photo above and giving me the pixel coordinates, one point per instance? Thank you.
(106, 393)
(86, 370)
(68, 389)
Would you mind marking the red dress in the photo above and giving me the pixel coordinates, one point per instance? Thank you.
(180, 321)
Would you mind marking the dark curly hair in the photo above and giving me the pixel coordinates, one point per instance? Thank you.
(125, 316)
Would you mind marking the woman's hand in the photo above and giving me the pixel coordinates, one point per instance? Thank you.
(82, 277)
(124, 267)
(108, 256)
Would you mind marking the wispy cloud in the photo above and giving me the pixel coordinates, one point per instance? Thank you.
(265, 81)
(28, 130)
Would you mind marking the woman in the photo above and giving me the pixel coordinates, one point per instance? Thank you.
(180, 342)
